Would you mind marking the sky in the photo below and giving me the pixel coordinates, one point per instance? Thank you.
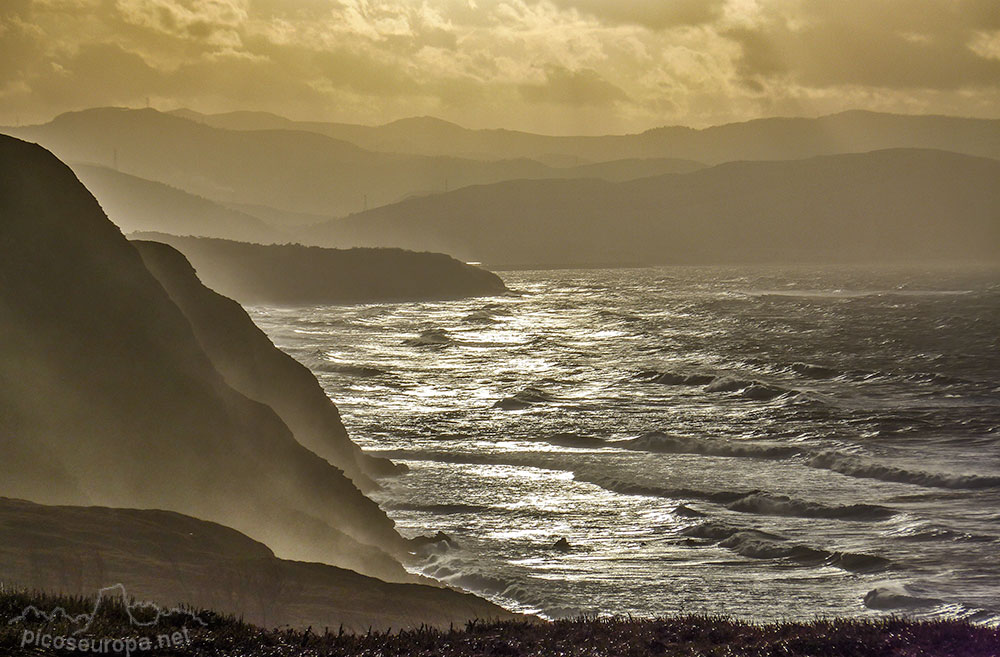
(551, 66)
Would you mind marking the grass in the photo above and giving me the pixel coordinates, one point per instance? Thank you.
(615, 637)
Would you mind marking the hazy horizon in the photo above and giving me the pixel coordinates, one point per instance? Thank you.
(193, 114)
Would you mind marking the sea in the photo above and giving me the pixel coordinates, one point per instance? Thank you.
(766, 443)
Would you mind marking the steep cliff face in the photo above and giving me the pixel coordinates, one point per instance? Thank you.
(251, 364)
(107, 397)
(169, 558)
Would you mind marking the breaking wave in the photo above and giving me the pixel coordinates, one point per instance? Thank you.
(756, 544)
(853, 466)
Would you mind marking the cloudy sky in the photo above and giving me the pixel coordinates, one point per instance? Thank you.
(557, 66)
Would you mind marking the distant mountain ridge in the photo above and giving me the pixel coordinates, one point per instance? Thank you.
(895, 205)
(292, 170)
(778, 138)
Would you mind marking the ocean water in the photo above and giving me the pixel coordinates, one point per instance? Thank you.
(769, 443)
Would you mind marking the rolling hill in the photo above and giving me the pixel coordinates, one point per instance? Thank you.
(761, 139)
(894, 205)
(293, 171)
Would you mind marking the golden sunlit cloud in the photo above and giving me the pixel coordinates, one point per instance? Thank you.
(544, 65)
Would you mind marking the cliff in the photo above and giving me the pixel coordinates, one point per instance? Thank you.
(108, 398)
(251, 364)
(883, 206)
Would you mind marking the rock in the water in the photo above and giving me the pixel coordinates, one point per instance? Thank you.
(512, 404)
(562, 545)
(439, 538)
(762, 392)
(432, 338)
(524, 399)
(575, 440)
(688, 512)
(726, 384)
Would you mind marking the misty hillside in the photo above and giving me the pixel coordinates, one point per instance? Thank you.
(894, 205)
(761, 139)
(292, 274)
(292, 170)
(282, 219)
(287, 169)
(251, 364)
(169, 558)
(108, 398)
(135, 204)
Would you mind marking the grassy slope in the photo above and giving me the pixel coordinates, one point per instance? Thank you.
(689, 635)
(167, 558)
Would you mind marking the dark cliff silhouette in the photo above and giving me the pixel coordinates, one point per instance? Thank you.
(292, 274)
(896, 205)
(167, 558)
(108, 398)
(251, 364)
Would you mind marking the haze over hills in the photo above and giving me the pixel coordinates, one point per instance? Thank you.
(291, 170)
(760, 139)
(893, 205)
(135, 204)
(108, 398)
(280, 219)
(296, 275)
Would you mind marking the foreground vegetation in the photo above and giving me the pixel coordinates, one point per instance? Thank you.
(216, 635)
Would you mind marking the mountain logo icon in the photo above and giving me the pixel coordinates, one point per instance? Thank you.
(140, 613)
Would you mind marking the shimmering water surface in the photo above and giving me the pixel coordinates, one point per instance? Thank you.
(770, 442)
